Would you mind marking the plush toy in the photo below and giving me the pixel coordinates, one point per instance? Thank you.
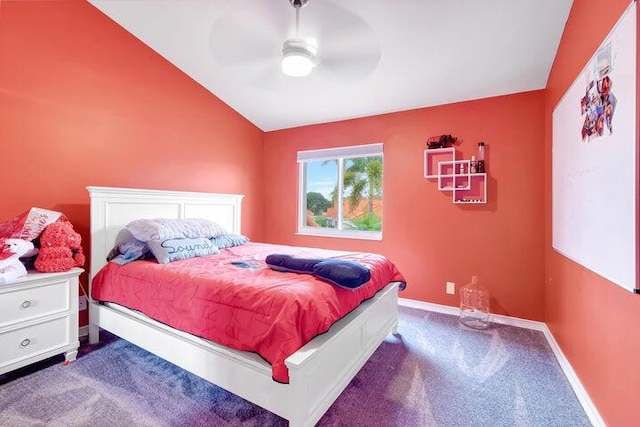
(11, 267)
(60, 248)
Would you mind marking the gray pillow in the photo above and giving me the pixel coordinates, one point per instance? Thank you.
(172, 228)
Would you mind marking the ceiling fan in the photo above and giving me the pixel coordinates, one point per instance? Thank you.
(262, 44)
(298, 55)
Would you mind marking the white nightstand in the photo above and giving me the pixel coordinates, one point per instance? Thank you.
(38, 318)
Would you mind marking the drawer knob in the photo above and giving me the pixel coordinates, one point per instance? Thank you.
(26, 304)
(25, 342)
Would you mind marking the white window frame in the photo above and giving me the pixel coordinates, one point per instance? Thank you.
(334, 154)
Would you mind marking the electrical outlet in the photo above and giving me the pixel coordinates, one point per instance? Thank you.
(82, 303)
(451, 288)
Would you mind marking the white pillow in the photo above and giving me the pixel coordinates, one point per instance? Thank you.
(169, 228)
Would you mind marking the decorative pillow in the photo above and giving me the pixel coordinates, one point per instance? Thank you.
(129, 250)
(347, 274)
(282, 262)
(169, 250)
(229, 240)
(169, 228)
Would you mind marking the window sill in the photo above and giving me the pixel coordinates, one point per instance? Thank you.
(331, 232)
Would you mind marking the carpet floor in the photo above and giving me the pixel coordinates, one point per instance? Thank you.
(434, 372)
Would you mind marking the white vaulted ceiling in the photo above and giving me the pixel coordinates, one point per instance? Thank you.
(376, 56)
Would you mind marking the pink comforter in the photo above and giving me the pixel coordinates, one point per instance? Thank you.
(247, 307)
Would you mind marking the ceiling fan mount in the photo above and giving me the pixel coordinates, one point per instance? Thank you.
(298, 3)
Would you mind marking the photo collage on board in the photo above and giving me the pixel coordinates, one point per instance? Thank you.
(599, 103)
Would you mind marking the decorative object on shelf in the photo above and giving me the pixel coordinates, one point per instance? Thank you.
(442, 141)
(11, 268)
(480, 168)
(475, 305)
(60, 248)
(458, 176)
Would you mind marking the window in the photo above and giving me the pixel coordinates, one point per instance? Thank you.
(341, 192)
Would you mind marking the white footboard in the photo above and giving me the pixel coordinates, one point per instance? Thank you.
(322, 369)
(318, 372)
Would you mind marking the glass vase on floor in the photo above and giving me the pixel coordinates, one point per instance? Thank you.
(475, 308)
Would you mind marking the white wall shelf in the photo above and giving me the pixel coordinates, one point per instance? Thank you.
(455, 175)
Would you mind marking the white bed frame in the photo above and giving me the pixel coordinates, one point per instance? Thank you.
(318, 372)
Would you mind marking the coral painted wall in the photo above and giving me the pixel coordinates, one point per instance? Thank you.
(83, 102)
(594, 321)
(431, 239)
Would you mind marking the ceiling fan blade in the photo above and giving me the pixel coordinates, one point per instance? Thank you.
(348, 68)
(333, 24)
(265, 76)
(348, 48)
(354, 58)
(258, 32)
(248, 43)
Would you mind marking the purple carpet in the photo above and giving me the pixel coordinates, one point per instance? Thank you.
(435, 372)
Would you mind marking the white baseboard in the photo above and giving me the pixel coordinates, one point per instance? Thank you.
(578, 388)
(576, 385)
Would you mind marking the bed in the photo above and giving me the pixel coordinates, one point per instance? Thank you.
(317, 373)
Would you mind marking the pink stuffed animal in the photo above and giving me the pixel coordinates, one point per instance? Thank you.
(11, 267)
(60, 248)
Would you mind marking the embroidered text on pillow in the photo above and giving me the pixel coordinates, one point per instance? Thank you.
(169, 250)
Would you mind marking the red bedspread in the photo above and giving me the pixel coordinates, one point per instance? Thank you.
(248, 307)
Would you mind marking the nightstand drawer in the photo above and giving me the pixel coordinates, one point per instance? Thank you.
(32, 302)
(33, 340)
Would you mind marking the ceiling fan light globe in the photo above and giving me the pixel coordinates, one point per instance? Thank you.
(298, 58)
(296, 65)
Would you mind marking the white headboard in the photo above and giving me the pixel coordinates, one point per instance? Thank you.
(113, 208)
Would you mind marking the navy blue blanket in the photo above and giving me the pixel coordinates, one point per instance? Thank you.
(347, 274)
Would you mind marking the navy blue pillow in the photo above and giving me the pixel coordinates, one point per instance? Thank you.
(283, 262)
(347, 274)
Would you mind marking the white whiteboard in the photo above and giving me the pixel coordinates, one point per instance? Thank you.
(594, 189)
